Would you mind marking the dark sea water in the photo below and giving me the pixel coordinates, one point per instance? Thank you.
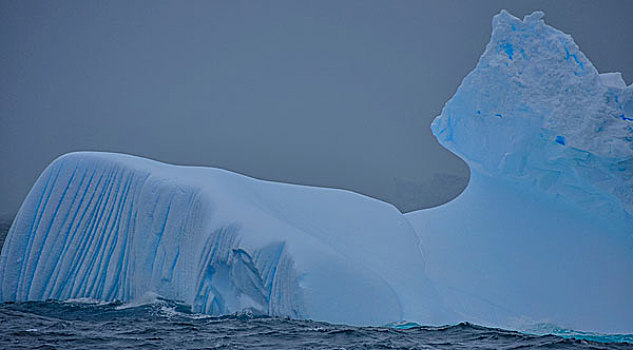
(166, 325)
(163, 324)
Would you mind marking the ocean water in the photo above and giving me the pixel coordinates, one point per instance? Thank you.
(167, 325)
(164, 324)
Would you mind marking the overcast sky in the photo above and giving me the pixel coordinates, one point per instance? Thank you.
(328, 93)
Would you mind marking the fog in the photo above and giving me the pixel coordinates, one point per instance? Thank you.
(327, 93)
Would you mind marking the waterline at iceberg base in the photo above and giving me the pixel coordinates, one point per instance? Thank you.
(543, 234)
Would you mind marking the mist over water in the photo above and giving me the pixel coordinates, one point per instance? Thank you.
(5, 224)
(328, 93)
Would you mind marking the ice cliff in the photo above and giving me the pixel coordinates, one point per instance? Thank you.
(116, 227)
(543, 232)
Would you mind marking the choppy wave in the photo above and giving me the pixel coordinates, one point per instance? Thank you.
(81, 324)
(546, 328)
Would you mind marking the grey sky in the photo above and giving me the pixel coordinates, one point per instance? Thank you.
(329, 93)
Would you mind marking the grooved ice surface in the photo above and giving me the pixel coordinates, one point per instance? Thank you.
(117, 227)
(543, 232)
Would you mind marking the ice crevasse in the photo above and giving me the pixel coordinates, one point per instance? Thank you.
(542, 234)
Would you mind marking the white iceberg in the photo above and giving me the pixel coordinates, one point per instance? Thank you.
(544, 230)
(116, 227)
(543, 234)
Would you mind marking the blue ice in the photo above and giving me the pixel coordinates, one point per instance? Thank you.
(542, 233)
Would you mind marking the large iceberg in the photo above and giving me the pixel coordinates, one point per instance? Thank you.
(544, 232)
(117, 227)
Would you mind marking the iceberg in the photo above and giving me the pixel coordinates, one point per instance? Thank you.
(543, 232)
(116, 227)
(542, 235)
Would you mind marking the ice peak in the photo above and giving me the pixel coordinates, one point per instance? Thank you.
(535, 109)
(534, 17)
(506, 18)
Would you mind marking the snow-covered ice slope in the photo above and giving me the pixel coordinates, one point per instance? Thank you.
(117, 227)
(544, 230)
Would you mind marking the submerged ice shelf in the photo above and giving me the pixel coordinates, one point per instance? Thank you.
(542, 234)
